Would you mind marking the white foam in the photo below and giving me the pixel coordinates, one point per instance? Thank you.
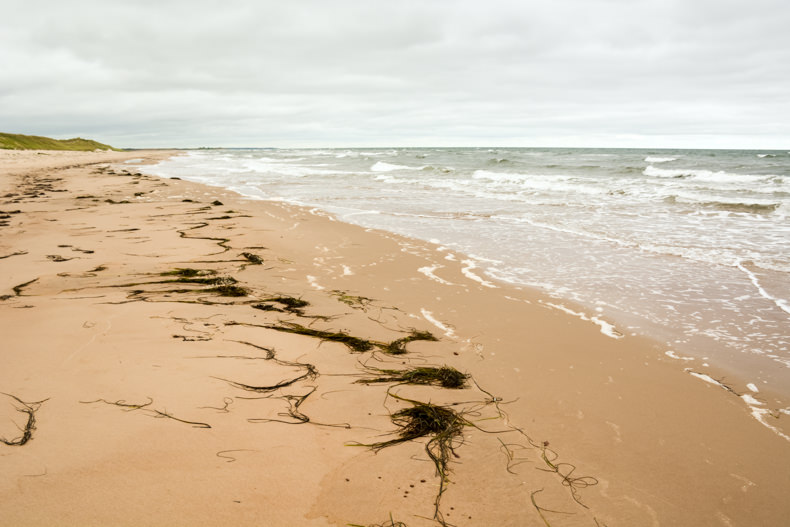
(448, 330)
(467, 271)
(655, 159)
(707, 378)
(606, 328)
(752, 387)
(429, 272)
(313, 281)
(780, 303)
(381, 166)
(755, 406)
(760, 414)
(672, 354)
(705, 175)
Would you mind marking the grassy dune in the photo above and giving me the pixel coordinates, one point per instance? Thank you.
(35, 142)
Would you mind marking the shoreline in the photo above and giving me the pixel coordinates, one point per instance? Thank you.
(727, 369)
(699, 305)
(647, 442)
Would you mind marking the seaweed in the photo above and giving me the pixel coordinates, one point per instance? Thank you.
(541, 510)
(357, 302)
(267, 307)
(294, 402)
(353, 343)
(127, 407)
(253, 259)
(444, 426)
(289, 303)
(565, 471)
(27, 432)
(310, 371)
(227, 402)
(356, 344)
(267, 389)
(189, 338)
(186, 272)
(512, 460)
(217, 280)
(398, 347)
(222, 242)
(549, 457)
(153, 412)
(446, 376)
(18, 288)
(228, 290)
(389, 523)
(18, 253)
(230, 459)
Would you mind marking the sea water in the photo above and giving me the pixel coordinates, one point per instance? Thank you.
(691, 247)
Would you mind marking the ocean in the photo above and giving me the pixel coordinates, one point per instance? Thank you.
(689, 247)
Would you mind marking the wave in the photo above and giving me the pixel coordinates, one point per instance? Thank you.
(752, 207)
(284, 169)
(708, 175)
(381, 166)
(543, 182)
(766, 155)
(655, 159)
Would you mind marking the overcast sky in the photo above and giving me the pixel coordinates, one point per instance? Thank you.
(618, 73)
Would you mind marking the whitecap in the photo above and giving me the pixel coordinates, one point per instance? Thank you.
(656, 159)
(381, 166)
(706, 175)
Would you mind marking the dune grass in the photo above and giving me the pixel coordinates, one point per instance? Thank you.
(35, 142)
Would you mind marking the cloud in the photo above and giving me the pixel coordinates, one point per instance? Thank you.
(176, 73)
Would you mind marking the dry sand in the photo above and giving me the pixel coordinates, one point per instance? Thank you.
(165, 403)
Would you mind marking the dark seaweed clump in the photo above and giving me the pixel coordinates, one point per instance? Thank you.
(443, 425)
(228, 290)
(186, 272)
(398, 347)
(446, 376)
(254, 259)
(353, 343)
(289, 304)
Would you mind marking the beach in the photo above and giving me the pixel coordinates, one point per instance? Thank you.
(175, 353)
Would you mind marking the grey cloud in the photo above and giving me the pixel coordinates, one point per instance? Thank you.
(343, 72)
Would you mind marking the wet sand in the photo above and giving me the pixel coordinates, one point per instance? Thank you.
(137, 389)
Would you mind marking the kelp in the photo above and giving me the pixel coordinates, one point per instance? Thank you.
(398, 347)
(289, 304)
(30, 410)
(442, 426)
(445, 376)
(355, 344)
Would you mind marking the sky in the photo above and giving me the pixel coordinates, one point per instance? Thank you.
(307, 73)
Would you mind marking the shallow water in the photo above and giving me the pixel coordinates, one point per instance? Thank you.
(690, 247)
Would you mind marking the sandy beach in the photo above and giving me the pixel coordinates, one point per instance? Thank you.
(174, 354)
